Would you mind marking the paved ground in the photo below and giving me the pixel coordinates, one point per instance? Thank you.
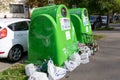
(105, 65)
(4, 64)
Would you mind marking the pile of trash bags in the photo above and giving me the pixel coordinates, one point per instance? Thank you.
(54, 72)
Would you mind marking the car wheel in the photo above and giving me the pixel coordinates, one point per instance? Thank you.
(15, 53)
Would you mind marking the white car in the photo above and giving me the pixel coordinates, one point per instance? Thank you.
(13, 38)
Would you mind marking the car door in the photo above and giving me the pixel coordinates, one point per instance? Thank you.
(21, 34)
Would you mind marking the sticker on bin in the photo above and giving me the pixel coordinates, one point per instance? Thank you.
(67, 35)
(85, 21)
(65, 23)
(87, 29)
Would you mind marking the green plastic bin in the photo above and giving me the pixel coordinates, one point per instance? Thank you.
(80, 19)
(51, 35)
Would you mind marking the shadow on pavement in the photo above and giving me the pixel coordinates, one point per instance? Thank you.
(23, 59)
(2, 60)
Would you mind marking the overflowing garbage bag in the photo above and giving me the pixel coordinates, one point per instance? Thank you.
(49, 71)
(84, 52)
(30, 69)
(38, 76)
(54, 72)
(73, 62)
(84, 58)
(70, 65)
(33, 74)
(84, 49)
(76, 58)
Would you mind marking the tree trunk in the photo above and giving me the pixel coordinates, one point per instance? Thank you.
(107, 25)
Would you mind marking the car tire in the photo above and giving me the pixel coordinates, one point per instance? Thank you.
(15, 53)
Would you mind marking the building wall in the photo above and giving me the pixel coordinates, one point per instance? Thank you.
(5, 8)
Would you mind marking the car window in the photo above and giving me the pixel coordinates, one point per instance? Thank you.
(11, 27)
(19, 26)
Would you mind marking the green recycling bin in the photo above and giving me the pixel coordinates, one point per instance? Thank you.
(80, 19)
(51, 35)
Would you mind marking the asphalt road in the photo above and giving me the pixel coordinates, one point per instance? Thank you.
(105, 65)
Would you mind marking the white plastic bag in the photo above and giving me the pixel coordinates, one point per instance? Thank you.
(76, 58)
(73, 62)
(70, 65)
(51, 71)
(84, 58)
(30, 69)
(55, 73)
(81, 49)
(38, 76)
(87, 50)
(60, 72)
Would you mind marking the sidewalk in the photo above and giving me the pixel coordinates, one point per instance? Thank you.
(4, 65)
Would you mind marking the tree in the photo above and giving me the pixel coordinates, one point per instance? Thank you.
(104, 7)
(37, 3)
(4, 5)
(94, 6)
